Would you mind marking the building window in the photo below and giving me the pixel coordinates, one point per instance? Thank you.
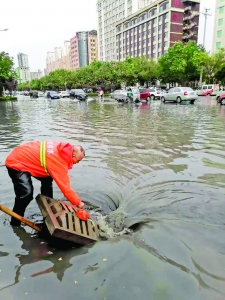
(220, 22)
(219, 33)
(221, 10)
(218, 45)
(160, 27)
(161, 8)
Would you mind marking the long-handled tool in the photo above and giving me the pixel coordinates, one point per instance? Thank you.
(18, 217)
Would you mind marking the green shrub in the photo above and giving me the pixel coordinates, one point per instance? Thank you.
(8, 98)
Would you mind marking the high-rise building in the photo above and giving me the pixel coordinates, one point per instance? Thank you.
(35, 75)
(150, 31)
(23, 71)
(219, 26)
(109, 13)
(84, 49)
(58, 59)
(22, 60)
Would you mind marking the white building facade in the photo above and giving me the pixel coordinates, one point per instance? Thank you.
(35, 75)
(109, 13)
(24, 70)
(219, 26)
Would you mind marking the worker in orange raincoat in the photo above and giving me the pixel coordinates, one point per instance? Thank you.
(46, 161)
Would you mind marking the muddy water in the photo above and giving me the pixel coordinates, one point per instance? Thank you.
(161, 162)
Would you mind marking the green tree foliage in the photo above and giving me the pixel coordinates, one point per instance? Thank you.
(182, 63)
(215, 67)
(6, 70)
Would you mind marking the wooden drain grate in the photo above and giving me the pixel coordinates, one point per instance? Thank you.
(62, 222)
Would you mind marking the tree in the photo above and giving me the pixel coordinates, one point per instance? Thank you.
(7, 73)
(214, 67)
(182, 63)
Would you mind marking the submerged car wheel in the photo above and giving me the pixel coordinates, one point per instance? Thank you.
(223, 101)
(178, 99)
(148, 99)
(152, 97)
(163, 99)
(192, 101)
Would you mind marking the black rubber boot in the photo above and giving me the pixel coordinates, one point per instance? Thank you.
(19, 208)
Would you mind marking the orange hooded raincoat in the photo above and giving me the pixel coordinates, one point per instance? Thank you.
(42, 159)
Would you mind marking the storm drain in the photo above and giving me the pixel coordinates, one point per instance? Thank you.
(62, 222)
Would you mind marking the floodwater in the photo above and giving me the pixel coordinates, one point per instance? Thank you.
(161, 163)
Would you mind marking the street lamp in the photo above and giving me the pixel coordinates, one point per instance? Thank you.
(4, 29)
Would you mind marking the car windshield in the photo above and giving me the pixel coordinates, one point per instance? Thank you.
(135, 90)
(53, 93)
(142, 90)
(79, 91)
(186, 89)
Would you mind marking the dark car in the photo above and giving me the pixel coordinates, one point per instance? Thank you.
(78, 94)
(52, 95)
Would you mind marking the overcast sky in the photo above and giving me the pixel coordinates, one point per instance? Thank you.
(37, 26)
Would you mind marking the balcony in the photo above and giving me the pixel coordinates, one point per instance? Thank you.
(189, 26)
(190, 35)
(192, 15)
(187, 8)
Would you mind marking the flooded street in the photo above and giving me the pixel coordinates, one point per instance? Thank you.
(161, 162)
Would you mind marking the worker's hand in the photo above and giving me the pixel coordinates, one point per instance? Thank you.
(81, 206)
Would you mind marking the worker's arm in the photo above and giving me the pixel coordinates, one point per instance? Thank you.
(61, 177)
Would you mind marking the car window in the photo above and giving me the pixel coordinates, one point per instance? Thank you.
(210, 87)
(135, 90)
(204, 87)
(152, 91)
(186, 89)
(176, 90)
(142, 90)
(171, 90)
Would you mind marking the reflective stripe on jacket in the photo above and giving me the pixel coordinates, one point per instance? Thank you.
(42, 159)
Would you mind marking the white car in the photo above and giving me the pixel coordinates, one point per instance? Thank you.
(219, 94)
(179, 94)
(40, 94)
(64, 94)
(155, 93)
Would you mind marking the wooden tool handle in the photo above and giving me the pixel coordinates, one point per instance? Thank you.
(18, 217)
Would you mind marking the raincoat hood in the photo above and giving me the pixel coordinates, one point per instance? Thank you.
(66, 151)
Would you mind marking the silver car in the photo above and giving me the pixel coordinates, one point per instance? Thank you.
(179, 94)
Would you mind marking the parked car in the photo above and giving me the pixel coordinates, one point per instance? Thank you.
(208, 90)
(219, 94)
(221, 99)
(155, 93)
(179, 94)
(52, 95)
(120, 95)
(40, 94)
(64, 94)
(78, 94)
(144, 94)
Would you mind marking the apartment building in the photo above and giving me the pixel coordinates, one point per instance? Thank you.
(23, 71)
(109, 12)
(58, 59)
(219, 26)
(153, 29)
(35, 75)
(84, 49)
